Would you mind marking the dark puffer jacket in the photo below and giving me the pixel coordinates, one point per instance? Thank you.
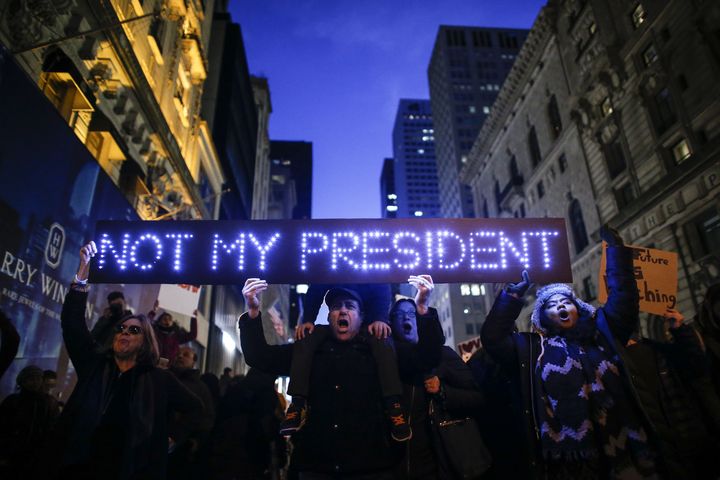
(347, 432)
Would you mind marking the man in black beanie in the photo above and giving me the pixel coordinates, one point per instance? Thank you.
(104, 329)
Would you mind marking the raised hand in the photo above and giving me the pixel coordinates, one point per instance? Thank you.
(88, 251)
(611, 236)
(519, 289)
(425, 286)
(303, 330)
(251, 291)
(380, 330)
(676, 318)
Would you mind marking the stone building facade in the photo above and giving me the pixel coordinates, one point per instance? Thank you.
(610, 115)
(130, 89)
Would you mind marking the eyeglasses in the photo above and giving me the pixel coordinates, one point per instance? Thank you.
(131, 329)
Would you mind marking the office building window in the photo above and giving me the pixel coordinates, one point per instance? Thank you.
(624, 195)
(540, 189)
(681, 151)
(614, 158)
(554, 117)
(703, 233)
(534, 147)
(662, 111)
(562, 163)
(577, 225)
(649, 55)
(638, 16)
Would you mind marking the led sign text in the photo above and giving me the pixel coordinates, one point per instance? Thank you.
(327, 251)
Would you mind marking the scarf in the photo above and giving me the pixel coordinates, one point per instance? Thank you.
(584, 411)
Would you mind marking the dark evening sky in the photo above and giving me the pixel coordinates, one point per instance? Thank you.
(337, 70)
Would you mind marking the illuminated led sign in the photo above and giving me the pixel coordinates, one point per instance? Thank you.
(329, 251)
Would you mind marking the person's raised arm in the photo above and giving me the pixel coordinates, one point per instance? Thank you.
(78, 341)
(425, 355)
(273, 359)
(186, 336)
(499, 326)
(622, 308)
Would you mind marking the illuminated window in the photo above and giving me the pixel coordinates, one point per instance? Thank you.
(638, 15)
(391, 208)
(475, 290)
(649, 55)
(486, 110)
(418, 213)
(681, 151)
(464, 289)
(472, 109)
(606, 107)
(592, 29)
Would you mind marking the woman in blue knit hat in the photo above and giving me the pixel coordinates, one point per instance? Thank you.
(582, 417)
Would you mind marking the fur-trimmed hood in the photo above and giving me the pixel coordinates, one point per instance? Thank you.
(544, 293)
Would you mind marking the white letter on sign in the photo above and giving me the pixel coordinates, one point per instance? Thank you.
(307, 250)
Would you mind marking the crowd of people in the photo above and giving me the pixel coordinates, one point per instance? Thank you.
(376, 394)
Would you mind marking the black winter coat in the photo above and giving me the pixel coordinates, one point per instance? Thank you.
(460, 396)
(346, 431)
(154, 392)
(518, 352)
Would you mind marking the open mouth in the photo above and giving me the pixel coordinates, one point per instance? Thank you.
(407, 328)
(563, 314)
(343, 323)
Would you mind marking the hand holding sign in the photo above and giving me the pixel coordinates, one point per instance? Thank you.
(251, 291)
(86, 253)
(611, 236)
(425, 286)
(676, 318)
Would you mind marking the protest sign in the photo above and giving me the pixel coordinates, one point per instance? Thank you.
(468, 347)
(331, 251)
(656, 276)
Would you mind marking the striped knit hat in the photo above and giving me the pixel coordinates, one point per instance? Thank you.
(548, 291)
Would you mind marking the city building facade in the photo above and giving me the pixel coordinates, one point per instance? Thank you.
(388, 197)
(609, 115)
(467, 68)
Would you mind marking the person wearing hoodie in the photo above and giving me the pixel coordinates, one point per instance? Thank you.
(583, 416)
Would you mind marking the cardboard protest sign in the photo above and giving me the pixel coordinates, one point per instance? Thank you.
(331, 251)
(468, 347)
(656, 276)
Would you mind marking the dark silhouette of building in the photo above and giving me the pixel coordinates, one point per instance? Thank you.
(228, 105)
(292, 161)
(388, 195)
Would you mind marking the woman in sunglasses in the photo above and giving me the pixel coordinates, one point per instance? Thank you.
(115, 422)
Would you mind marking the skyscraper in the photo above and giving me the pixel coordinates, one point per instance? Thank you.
(467, 68)
(388, 197)
(416, 182)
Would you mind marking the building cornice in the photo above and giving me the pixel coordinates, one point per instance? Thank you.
(144, 94)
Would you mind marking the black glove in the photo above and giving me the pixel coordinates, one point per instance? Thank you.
(611, 236)
(519, 289)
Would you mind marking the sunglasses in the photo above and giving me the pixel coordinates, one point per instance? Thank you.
(131, 329)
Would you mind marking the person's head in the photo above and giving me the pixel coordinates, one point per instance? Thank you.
(49, 381)
(135, 339)
(30, 379)
(227, 371)
(116, 303)
(403, 321)
(345, 313)
(185, 358)
(557, 309)
(165, 320)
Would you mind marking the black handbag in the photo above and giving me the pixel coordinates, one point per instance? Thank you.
(460, 443)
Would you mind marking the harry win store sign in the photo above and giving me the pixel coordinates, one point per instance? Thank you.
(329, 251)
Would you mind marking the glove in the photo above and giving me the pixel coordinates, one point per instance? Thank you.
(611, 236)
(518, 289)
